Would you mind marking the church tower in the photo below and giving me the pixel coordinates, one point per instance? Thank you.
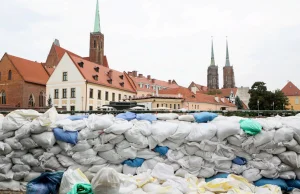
(212, 72)
(228, 73)
(97, 41)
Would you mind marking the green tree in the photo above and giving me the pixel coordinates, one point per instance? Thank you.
(239, 103)
(49, 101)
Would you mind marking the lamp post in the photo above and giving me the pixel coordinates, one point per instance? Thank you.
(257, 107)
(273, 106)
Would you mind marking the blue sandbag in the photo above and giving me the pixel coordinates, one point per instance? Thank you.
(239, 161)
(220, 175)
(77, 117)
(162, 150)
(66, 136)
(46, 183)
(204, 117)
(293, 183)
(127, 116)
(137, 162)
(279, 182)
(147, 117)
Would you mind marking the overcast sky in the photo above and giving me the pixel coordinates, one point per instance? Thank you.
(168, 39)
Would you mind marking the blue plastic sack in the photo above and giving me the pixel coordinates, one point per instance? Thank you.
(293, 183)
(46, 183)
(137, 162)
(279, 182)
(127, 116)
(204, 117)
(77, 117)
(220, 175)
(162, 150)
(239, 161)
(65, 136)
(147, 117)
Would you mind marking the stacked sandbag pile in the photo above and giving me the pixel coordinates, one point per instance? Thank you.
(201, 145)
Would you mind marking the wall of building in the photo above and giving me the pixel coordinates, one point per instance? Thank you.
(205, 106)
(161, 102)
(34, 90)
(294, 103)
(243, 94)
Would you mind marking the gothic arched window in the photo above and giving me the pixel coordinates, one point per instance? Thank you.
(9, 75)
(2, 97)
(31, 101)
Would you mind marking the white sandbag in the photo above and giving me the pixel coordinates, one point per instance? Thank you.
(80, 167)
(17, 161)
(85, 154)
(127, 153)
(67, 147)
(4, 148)
(205, 155)
(181, 172)
(237, 140)
(51, 164)
(20, 175)
(271, 173)
(23, 131)
(146, 154)
(97, 168)
(93, 142)
(223, 166)
(283, 168)
(162, 130)
(10, 185)
(96, 122)
(117, 167)
(269, 123)
(89, 175)
(81, 146)
(117, 139)
(65, 161)
(188, 118)
(134, 135)
(171, 145)
(162, 171)
(16, 154)
(167, 116)
(38, 169)
(14, 143)
(252, 174)
(45, 140)
(261, 165)
(263, 156)
(75, 125)
(30, 160)
(106, 181)
(31, 176)
(297, 171)
(292, 146)
(28, 143)
(103, 147)
(283, 135)
(20, 168)
(202, 131)
(287, 175)
(55, 150)
(276, 150)
(36, 127)
(110, 155)
(106, 137)
(290, 158)
(86, 134)
(183, 130)
(206, 172)
(192, 163)
(5, 160)
(143, 126)
(149, 164)
(206, 145)
(238, 169)
(129, 170)
(4, 135)
(17, 118)
(226, 129)
(36, 152)
(119, 127)
(4, 168)
(263, 137)
(70, 178)
(174, 155)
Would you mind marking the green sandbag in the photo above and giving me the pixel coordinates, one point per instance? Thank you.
(81, 188)
(250, 126)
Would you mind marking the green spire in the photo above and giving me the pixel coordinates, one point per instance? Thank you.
(212, 59)
(97, 19)
(227, 54)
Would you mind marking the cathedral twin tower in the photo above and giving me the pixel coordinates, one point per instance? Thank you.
(213, 75)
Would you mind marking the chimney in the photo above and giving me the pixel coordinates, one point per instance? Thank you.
(173, 82)
(169, 81)
(140, 75)
(153, 80)
(134, 73)
(130, 73)
(148, 77)
(109, 74)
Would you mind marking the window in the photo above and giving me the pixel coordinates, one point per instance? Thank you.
(120, 97)
(174, 106)
(106, 96)
(91, 93)
(297, 100)
(113, 97)
(64, 93)
(99, 94)
(72, 108)
(41, 99)
(65, 76)
(31, 101)
(170, 105)
(56, 94)
(157, 105)
(125, 97)
(178, 106)
(91, 108)
(141, 85)
(73, 93)
(129, 97)
(9, 75)
(95, 44)
(3, 97)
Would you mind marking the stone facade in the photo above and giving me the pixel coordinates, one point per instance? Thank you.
(212, 77)
(228, 77)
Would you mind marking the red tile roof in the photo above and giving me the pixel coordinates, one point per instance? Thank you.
(61, 51)
(104, 74)
(30, 71)
(227, 91)
(290, 89)
(201, 88)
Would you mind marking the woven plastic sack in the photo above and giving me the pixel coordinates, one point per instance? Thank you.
(70, 179)
(250, 126)
(106, 181)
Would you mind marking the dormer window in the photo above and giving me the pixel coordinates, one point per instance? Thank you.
(121, 76)
(95, 77)
(122, 84)
(109, 81)
(81, 64)
(96, 69)
(141, 85)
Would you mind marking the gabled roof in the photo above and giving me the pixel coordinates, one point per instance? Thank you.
(104, 75)
(290, 89)
(201, 88)
(30, 71)
(61, 51)
(227, 91)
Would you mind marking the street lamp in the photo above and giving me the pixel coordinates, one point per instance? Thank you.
(257, 107)
(273, 106)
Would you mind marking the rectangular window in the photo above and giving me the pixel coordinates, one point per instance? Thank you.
(64, 93)
(73, 92)
(157, 105)
(56, 94)
(91, 93)
(113, 97)
(65, 76)
(120, 97)
(72, 108)
(106, 96)
(170, 105)
(99, 94)
(178, 106)
(91, 108)
(174, 106)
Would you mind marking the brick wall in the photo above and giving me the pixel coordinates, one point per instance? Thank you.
(34, 89)
(96, 54)
(52, 59)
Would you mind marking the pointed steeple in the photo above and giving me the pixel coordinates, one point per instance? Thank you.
(212, 59)
(227, 54)
(97, 19)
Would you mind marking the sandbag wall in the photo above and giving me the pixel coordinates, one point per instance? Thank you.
(32, 143)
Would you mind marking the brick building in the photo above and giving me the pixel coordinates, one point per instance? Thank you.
(22, 83)
(228, 73)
